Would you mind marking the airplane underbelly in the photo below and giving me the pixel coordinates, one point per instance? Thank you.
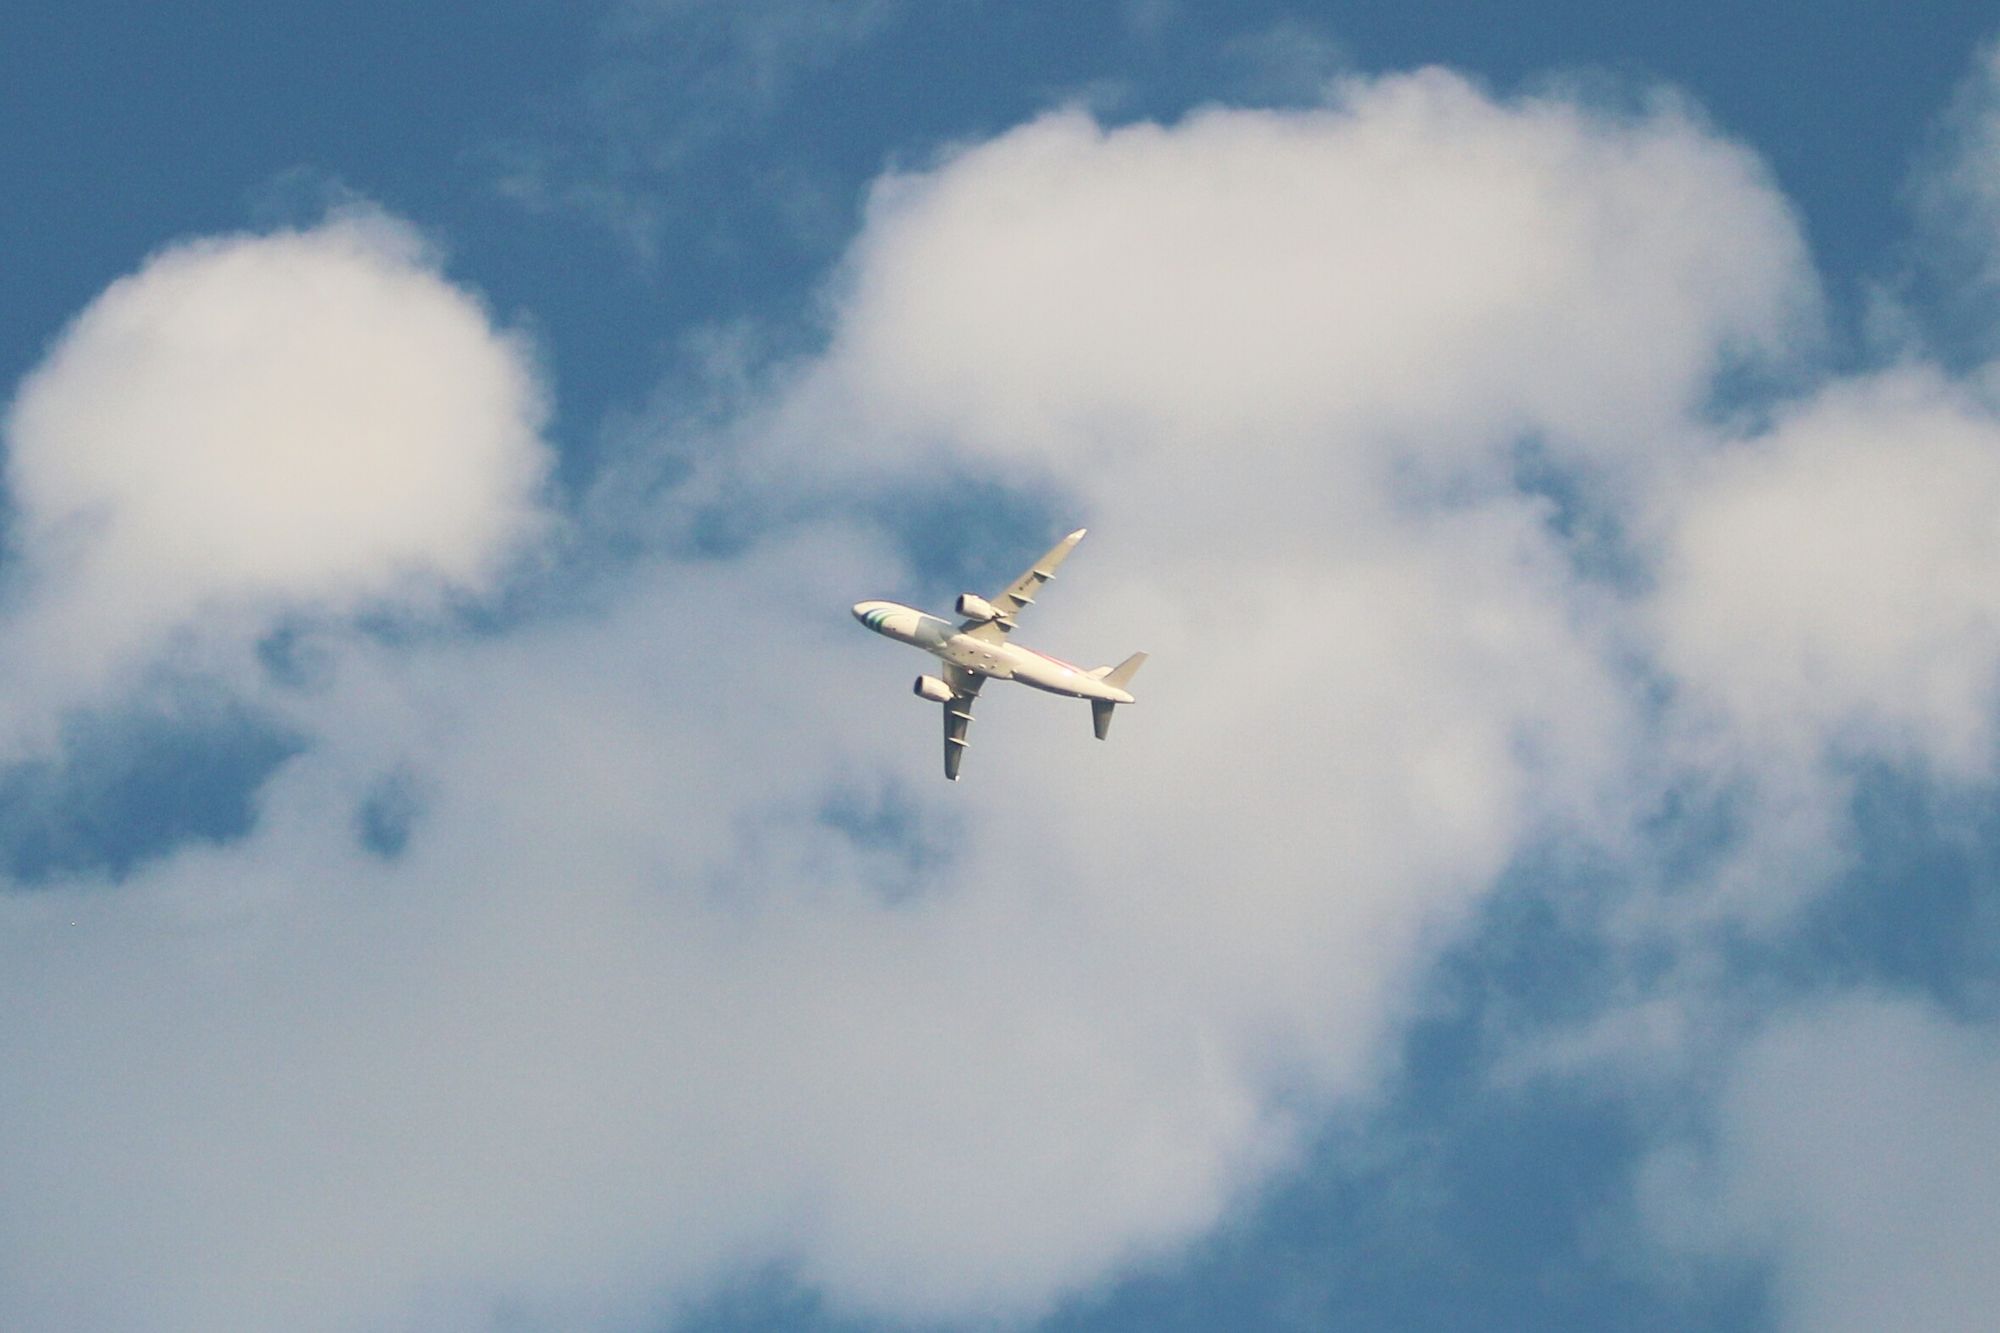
(965, 651)
(1043, 674)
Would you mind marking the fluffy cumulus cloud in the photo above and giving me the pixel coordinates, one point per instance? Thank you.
(1837, 580)
(1413, 277)
(1823, 596)
(683, 962)
(256, 424)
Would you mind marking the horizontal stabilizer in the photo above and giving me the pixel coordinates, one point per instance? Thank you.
(1100, 717)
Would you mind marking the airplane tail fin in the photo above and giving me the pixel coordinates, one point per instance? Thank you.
(1118, 677)
(1121, 675)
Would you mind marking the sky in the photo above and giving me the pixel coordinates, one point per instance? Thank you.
(462, 868)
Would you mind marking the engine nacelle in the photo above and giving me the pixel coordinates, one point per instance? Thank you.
(930, 687)
(974, 607)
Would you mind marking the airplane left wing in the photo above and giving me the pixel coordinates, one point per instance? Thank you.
(958, 715)
(1021, 592)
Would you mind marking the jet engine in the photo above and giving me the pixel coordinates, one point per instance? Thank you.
(930, 687)
(974, 607)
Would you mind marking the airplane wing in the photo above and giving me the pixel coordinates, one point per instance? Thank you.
(958, 715)
(1021, 592)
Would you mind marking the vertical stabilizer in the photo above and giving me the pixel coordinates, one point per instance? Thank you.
(1121, 675)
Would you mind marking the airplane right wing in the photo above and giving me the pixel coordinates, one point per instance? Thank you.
(958, 715)
(1021, 592)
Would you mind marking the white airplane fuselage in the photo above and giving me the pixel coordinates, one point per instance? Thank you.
(999, 661)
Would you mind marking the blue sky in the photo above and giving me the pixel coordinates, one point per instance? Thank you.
(456, 854)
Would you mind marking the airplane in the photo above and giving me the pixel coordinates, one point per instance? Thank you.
(977, 650)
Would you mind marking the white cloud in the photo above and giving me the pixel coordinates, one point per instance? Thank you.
(627, 1016)
(1838, 579)
(257, 424)
(624, 1016)
(1825, 594)
(1855, 1145)
(1414, 278)
(630, 1014)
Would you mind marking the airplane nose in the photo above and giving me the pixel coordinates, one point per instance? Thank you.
(861, 609)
